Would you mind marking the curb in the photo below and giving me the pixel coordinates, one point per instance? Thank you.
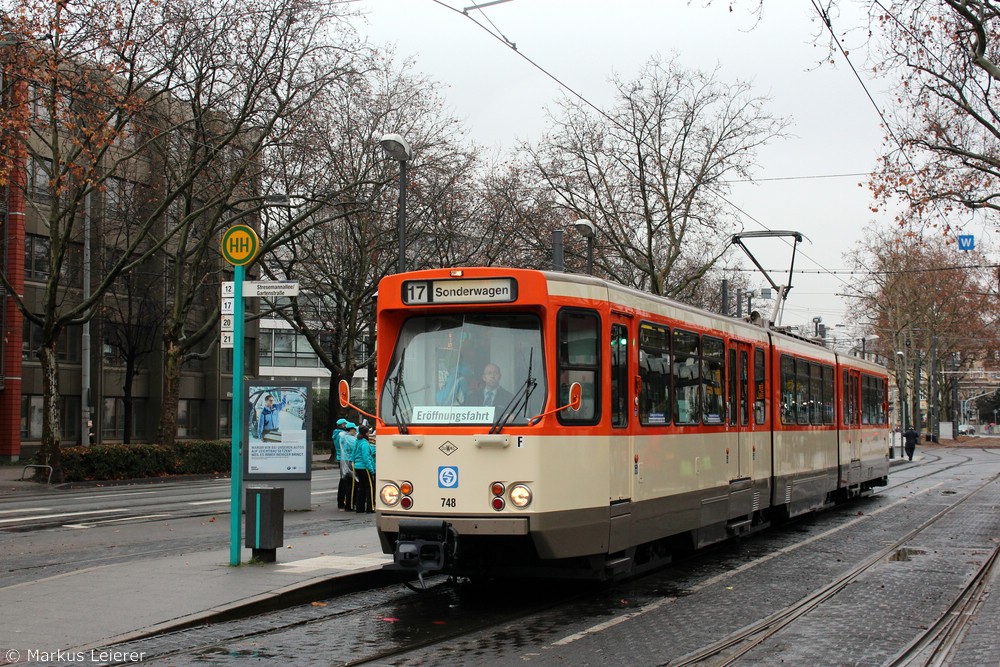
(325, 586)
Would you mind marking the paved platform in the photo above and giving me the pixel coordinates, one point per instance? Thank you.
(93, 608)
(97, 607)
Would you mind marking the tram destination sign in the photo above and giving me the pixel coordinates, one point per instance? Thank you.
(487, 290)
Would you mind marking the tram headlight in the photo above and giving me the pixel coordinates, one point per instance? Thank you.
(520, 495)
(389, 494)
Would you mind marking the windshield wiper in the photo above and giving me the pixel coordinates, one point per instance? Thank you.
(398, 391)
(522, 396)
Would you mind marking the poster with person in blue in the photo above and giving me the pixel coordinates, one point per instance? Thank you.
(278, 441)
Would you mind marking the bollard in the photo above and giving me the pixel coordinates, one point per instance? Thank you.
(265, 522)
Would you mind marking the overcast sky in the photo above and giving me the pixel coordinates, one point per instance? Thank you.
(835, 129)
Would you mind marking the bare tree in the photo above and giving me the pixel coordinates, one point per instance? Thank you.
(242, 79)
(78, 87)
(648, 172)
(197, 92)
(912, 293)
(350, 242)
(943, 150)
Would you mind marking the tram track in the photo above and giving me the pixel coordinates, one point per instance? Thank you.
(941, 636)
(936, 646)
(199, 643)
(347, 611)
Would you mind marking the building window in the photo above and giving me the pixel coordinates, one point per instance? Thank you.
(266, 342)
(113, 418)
(31, 335)
(188, 418)
(32, 421)
(36, 257)
(227, 357)
(41, 180)
(225, 419)
(285, 348)
(67, 348)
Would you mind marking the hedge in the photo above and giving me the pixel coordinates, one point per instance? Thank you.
(116, 462)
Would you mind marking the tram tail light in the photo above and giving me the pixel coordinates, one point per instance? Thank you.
(498, 503)
(497, 488)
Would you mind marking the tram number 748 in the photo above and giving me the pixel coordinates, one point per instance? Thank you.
(448, 502)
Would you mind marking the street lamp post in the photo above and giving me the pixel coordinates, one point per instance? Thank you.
(864, 346)
(589, 230)
(397, 148)
(901, 361)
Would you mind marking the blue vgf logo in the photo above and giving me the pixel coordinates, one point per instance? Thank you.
(448, 477)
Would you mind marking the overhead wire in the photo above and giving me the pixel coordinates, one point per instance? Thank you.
(508, 43)
(828, 23)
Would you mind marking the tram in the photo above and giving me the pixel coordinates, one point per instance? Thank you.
(537, 422)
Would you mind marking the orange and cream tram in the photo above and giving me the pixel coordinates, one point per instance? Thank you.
(530, 421)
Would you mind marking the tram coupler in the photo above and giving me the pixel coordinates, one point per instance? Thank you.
(425, 545)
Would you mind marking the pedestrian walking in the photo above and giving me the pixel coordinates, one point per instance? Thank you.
(910, 439)
(345, 491)
(364, 469)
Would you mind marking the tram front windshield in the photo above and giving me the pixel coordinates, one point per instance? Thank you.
(476, 369)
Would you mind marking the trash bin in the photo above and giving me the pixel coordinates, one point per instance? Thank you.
(265, 521)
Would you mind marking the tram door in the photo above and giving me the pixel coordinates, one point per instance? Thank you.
(739, 370)
(620, 445)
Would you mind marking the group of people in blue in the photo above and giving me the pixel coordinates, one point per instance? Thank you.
(356, 455)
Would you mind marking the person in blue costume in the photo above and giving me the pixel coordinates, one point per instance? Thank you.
(345, 490)
(364, 469)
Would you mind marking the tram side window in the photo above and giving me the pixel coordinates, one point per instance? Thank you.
(760, 387)
(686, 375)
(619, 375)
(866, 400)
(802, 391)
(850, 399)
(873, 400)
(654, 371)
(815, 393)
(828, 396)
(713, 380)
(579, 360)
(788, 395)
(882, 398)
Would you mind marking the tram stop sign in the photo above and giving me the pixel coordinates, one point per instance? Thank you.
(240, 245)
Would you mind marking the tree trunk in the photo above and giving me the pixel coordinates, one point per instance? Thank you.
(50, 452)
(127, 400)
(172, 362)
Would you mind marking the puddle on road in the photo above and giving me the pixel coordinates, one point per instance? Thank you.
(904, 555)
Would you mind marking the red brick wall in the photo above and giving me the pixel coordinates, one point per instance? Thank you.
(10, 395)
